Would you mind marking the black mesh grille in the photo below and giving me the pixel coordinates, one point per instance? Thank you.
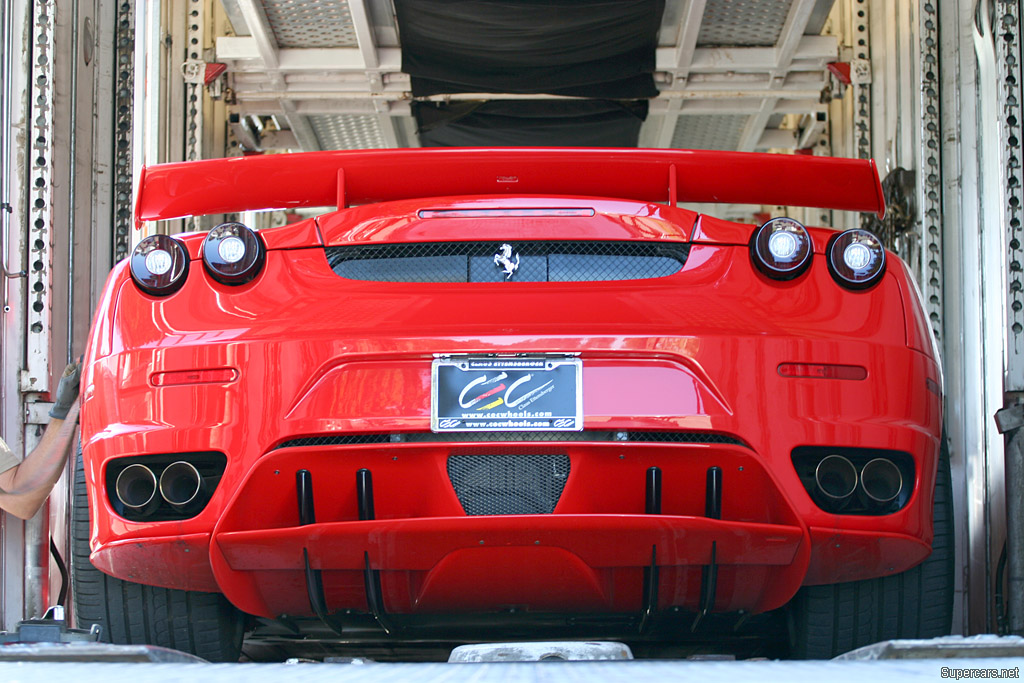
(508, 484)
(558, 261)
(514, 437)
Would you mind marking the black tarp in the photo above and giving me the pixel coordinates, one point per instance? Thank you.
(600, 49)
(541, 123)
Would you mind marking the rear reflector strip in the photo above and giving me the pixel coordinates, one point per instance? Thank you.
(822, 371)
(180, 377)
(506, 213)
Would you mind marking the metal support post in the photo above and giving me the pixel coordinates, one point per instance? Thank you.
(975, 319)
(1009, 421)
(1007, 45)
(993, 263)
(36, 376)
(14, 181)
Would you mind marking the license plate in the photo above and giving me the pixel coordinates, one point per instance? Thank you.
(540, 393)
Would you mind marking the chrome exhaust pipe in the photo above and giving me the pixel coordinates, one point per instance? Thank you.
(181, 486)
(836, 481)
(881, 482)
(135, 488)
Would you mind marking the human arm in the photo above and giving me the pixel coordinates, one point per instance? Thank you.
(24, 487)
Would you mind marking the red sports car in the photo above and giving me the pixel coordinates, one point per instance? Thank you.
(511, 393)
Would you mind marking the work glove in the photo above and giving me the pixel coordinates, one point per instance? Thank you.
(67, 390)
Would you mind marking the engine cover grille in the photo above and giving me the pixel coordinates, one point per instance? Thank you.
(535, 261)
(508, 484)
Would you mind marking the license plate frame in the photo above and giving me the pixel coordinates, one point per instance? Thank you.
(537, 393)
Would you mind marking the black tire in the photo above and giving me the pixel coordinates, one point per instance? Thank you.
(202, 624)
(827, 621)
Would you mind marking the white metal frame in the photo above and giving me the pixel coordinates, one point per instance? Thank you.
(17, 14)
(41, 230)
(295, 83)
(974, 320)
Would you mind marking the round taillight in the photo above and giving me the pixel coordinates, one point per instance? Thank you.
(856, 258)
(233, 254)
(159, 265)
(781, 248)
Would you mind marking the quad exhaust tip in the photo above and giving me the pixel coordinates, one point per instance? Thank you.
(880, 482)
(877, 484)
(136, 489)
(835, 480)
(181, 485)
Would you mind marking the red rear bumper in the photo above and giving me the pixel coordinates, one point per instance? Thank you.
(588, 556)
(699, 353)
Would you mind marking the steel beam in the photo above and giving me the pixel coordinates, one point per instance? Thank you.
(364, 105)
(262, 35)
(777, 138)
(974, 340)
(746, 105)
(15, 86)
(300, 126)
(364, 33)
(1007, 80)
(248, 54)
(689, 28)
(993, 262)
(792, 34)
(811, 54)
(687, 106)
(784, 52)
(669, 122)
(754, 129)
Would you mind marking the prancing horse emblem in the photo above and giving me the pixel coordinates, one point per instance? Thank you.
(503, 259)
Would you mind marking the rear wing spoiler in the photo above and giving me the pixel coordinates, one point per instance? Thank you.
(347, 178)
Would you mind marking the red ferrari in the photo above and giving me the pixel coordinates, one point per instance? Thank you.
(511, 393)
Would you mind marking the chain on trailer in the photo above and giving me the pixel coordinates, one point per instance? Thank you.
(124, 89)
(194, 92)
(1008, 55)
(929, 178)
(861, 86)
(36, 377)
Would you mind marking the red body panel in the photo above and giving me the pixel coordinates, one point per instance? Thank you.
(698, 351)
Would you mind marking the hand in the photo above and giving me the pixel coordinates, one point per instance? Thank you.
(67, 390)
